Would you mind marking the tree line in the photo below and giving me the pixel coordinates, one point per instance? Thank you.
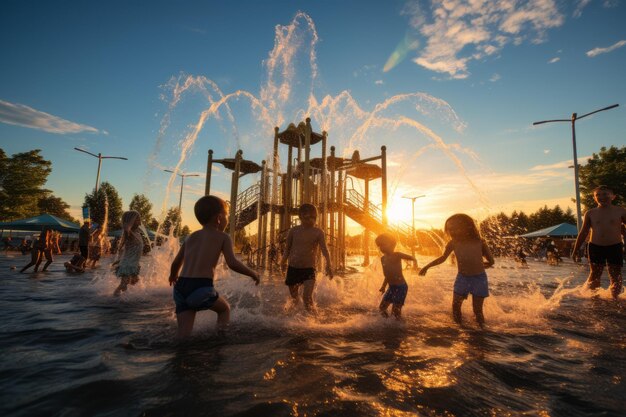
(22, 194)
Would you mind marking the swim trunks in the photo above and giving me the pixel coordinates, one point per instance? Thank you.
(471, 284)
(601, 255)
(194, 294)
(396, 294)
(297, 276)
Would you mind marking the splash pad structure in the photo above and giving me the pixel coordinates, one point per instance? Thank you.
(273, 201)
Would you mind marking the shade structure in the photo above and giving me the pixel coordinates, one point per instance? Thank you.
(37, 223)
(559, 230)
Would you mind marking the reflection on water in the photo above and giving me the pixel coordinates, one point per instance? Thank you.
(70, 348)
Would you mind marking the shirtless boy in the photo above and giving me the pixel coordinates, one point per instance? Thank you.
(193, 289)
(605, 244)
(300, 254)
(392, 270)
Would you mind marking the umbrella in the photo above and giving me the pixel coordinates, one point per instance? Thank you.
(37, 223)
(559, 230)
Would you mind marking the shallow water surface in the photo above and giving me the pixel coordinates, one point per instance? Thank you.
(71, 349)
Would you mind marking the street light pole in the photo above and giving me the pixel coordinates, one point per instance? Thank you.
(576, 181)
(100, 158)
(413, 221)
(180, 198)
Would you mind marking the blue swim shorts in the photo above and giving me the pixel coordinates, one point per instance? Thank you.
(471, 284)
(396, 294)
(194, 294)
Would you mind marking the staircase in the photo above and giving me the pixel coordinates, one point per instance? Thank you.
(372, 219)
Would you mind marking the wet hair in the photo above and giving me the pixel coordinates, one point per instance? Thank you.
(207, 207)
(461, 227)
(307, 208)
(385, 238)
(603, 188)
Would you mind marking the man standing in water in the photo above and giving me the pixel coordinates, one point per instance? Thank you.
(605, 244)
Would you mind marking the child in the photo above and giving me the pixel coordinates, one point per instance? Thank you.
(470, 250)
(605, 245)
(392, 269)
(131, 248)
(76, 264)
(38, 252)
(300, 253)
(95, 247)
(198, 256)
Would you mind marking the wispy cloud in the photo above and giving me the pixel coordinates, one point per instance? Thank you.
(554, 60)
(379, 82)
(22, 115)
(598, 51)
(559, 165)
(494, 78)
(581, 4)
(460, 31)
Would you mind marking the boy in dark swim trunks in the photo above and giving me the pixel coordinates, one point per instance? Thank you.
(392, 269)
(300, 253)
(605, 244)
(193, 289)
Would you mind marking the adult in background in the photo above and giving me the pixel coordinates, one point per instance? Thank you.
(84, 236)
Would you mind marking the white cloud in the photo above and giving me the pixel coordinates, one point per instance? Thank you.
(494, 78)
(578, 11)
(21, 115)
(598, 51)
(553, 60)
(379, 82)
(546, 151)
(460, 31)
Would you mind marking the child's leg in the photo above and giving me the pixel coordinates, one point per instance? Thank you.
(134, 279)
(293, 291)
(615, 275)
(477, 304)
(122, 287)
(222, 309)
(33, 260)
(396, 310)
(595, 273)
(48, 255)
(307, 294)
(185, 321)
(457, 301)
(383, 308)
(39, 260)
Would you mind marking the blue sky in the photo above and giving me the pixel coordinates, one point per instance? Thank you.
(451, 87)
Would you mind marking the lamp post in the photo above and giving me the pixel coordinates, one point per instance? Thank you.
(413, 221)
(180, 198)
(100, 158)
(576, 182)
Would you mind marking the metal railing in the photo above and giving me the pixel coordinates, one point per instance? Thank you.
(357, 200)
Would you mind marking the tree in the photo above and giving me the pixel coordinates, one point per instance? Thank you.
(608, 167)
(172, 218)
(141, 204)
(186, 231)
(22, 177)
(55, 206)
(106, 202)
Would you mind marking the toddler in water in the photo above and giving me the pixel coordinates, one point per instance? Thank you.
(392, 269)
(198, 256)
(470, 250)
(130, 251)
(300, 252)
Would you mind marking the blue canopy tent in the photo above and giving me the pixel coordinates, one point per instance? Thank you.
(560, 230)
(37, 223)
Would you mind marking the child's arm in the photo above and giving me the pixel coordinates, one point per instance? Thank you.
(439, 260)
(406, 257)
(234, 263)
(176, 264)
(487, 255)
(283, 261)
(324, 249)
(582, 236)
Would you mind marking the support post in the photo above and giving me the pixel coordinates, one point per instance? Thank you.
(307, 163)
(366, 232)
(383, 155)
(259, 216)
(98, 174)
(209, 168)
(234, 187)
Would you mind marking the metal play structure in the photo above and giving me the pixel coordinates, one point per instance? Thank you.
(326, 181)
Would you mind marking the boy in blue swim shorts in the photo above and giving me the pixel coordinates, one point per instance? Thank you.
(193, 288)
(392, 270)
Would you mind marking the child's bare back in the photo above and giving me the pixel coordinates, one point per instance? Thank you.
(202, 250)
